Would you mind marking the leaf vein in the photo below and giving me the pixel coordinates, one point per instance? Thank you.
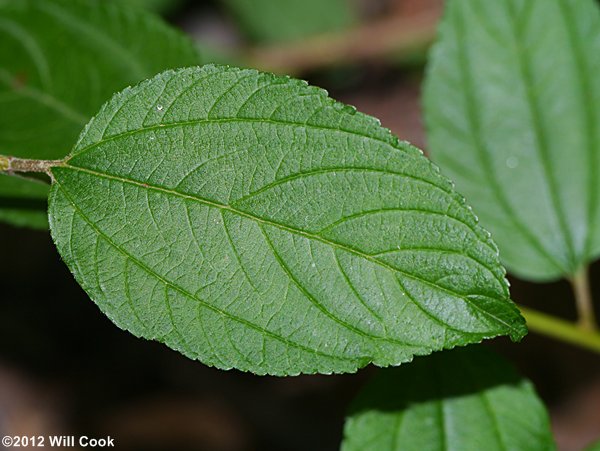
(189, 295)
(472, 116)
(261, 220)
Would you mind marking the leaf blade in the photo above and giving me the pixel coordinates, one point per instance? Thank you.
(253, 185)
(462, 399)
(510, 110)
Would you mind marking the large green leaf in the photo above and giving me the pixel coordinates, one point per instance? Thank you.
(60, 60)
(250, 221)
(465, 400)
(289, 20)
(512, 103)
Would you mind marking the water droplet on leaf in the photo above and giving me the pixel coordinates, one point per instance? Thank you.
(512, 162)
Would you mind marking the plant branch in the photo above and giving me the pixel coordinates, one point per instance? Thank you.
(13, 165)
(583, 300)
(398, 33)
(560, 329)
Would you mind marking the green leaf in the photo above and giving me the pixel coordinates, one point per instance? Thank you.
(290, 20)
(467, 399)
(593, 447)
(23, 202)
(60, 60)
(158, 6)
(512, 105)
(250, 221)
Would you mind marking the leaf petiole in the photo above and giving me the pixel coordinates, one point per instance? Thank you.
(560, 329)
(12, 165)
(583, 300)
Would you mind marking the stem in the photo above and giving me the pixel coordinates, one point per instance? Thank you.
(395, 34)
(12, 165)
(583, 300)
(561, 330)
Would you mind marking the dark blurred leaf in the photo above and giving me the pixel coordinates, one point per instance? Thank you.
(289, 20)
(594, 447)
(59, 61)
(465, 399)
(158, 6)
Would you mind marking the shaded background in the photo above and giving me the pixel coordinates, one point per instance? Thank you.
(66, 369)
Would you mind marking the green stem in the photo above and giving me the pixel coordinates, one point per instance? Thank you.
(561, 330)
(583, 300)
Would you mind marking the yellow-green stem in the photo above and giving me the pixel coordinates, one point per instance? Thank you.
(561, 330)
(4, 163)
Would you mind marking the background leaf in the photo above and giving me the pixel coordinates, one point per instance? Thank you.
(594, 447)
(158, 6)
(289, 20)
(466, 399)
(250, 221)
(60, 60)
(512, 105)
(23, 202)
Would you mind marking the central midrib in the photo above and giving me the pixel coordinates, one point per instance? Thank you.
(185, 293)
(293, 230)
(483, 153)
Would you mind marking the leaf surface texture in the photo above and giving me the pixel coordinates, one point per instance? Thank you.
(512, 105)
(250, 221)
